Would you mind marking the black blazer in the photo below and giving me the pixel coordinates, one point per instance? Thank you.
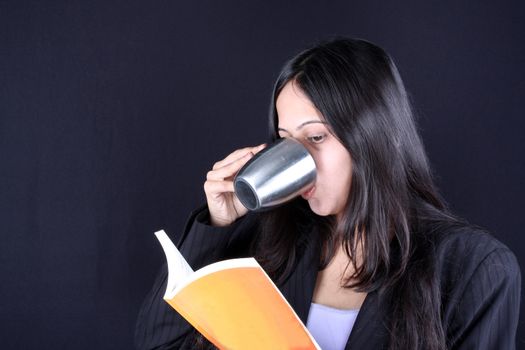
(480, 283)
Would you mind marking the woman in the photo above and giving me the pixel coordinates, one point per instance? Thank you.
(371, 238)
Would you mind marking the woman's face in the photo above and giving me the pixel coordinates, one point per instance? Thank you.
(298, 118)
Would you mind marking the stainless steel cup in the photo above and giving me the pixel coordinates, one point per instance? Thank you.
(275, 175)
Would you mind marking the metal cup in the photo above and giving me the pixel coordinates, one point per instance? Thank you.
(275, 175)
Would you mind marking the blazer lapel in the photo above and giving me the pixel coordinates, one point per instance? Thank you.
(369, 331)
(298, 289)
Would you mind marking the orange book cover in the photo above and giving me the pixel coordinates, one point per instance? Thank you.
(233, 303)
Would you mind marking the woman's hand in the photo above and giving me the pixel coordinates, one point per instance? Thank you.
(223, 204)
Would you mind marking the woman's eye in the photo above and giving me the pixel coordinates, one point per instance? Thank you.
(316, 138)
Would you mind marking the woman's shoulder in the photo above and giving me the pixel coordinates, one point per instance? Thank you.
(480, 284)
(468, 255)
(468, 243)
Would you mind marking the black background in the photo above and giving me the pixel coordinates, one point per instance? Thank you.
(112, 112)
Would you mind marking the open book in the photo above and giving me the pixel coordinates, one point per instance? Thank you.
(233, 303)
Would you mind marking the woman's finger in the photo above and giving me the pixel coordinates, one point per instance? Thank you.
(232, 157)
(238, 154)
(216, 188)
(228, 170)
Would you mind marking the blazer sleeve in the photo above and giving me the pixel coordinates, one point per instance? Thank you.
(159, 326)
(487, 312)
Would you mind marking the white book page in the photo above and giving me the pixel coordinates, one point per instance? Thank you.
(178, 267)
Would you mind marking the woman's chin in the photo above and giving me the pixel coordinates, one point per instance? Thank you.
(318, 209)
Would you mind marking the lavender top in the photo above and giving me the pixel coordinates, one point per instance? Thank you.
(329, 326)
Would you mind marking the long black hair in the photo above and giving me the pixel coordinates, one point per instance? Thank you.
(393, 209)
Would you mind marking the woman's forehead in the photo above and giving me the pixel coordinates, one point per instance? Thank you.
(294, 108)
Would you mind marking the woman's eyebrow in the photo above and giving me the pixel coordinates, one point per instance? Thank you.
(303, 124)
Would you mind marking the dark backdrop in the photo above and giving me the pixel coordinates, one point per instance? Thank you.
(112, 112)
